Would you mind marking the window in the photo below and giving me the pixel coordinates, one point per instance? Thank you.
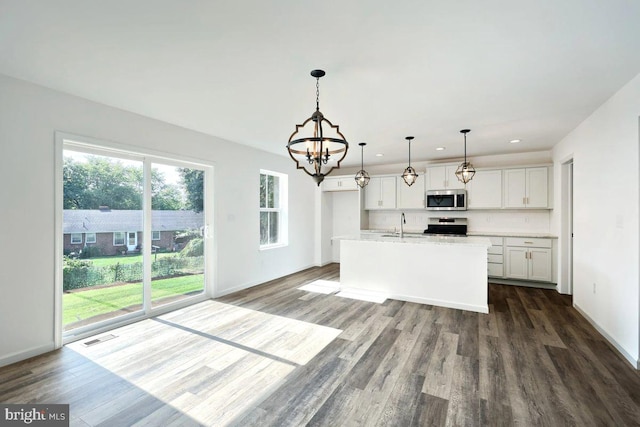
(76, 238)
(118, 238)
(90, 237)
(155, 235)
(273, 209)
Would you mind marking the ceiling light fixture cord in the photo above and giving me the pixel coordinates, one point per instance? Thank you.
(317, 93)
(465, 147)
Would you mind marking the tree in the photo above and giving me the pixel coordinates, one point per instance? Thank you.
(193, 180)
(102, 181)
(164, 197)
(74, 175)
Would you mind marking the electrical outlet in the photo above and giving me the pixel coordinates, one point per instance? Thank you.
(594, 288)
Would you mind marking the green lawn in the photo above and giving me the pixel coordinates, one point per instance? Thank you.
(126, 259)
(84, 304)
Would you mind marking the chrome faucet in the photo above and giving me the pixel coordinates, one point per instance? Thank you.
(403, 221)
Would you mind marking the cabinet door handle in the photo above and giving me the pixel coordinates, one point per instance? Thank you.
(528, 243)
(524, 200)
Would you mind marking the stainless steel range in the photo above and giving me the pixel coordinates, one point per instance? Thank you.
(447, 226)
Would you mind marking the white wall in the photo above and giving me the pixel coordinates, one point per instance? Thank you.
(29, 116)
(345, 218)
(605, 152)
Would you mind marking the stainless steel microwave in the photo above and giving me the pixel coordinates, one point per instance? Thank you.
(447, 200)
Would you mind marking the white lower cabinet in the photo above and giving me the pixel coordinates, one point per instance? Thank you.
(528, 259)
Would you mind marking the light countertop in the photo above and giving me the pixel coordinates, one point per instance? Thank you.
(478, 233)
(512, 234)
(418, 238)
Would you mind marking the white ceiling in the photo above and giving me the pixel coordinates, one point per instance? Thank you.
(239, 70)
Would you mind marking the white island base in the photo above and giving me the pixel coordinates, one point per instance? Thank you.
(443, 271)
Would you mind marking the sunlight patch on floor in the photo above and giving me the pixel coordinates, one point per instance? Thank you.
(362, 295)
(212, 361)
(321, 286)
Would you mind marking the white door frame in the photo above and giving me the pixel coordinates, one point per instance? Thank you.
(566, 228)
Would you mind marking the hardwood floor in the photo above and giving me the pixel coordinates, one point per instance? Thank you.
(274, 355)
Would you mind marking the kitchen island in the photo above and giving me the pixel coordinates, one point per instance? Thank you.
(444, 271)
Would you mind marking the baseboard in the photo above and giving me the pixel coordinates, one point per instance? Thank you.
(525, 283)
(251, 284)
(634, 362)
(441, 303)
(19, 356)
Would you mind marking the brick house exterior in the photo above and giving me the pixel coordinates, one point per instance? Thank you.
(118, 231)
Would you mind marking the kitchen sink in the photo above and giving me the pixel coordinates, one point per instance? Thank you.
(404, 237)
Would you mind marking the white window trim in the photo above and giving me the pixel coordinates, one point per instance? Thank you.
(86, 237)
(124, 238)
(283, 210)
(153, 235)
(75, 242)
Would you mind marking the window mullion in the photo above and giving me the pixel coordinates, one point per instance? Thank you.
(146, 236)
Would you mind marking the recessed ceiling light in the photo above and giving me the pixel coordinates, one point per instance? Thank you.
(514, 141)
(440, 149)
(379, 155)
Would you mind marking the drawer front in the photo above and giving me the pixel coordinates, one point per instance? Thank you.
(496, 241)
(496, 258)
(496, 250)
(495, 270)
(528, 242)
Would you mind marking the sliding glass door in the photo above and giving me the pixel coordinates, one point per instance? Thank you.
(134, 235)
(102, 223)
(177, 233)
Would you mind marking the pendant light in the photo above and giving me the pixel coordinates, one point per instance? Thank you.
(319, 145)
(362, 177)
(465, 171)
(409, 175)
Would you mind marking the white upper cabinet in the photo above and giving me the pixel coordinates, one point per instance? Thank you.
(526, 188)
(339, 183)
(537, 187)
(380, 193)
(485, 190)
(410, 197)
(442, 177)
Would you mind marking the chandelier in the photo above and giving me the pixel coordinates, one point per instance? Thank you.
(362, 177)
(465, 171)
(320, 147)
(409, 175)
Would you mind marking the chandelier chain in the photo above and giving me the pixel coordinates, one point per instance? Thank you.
(317, 93)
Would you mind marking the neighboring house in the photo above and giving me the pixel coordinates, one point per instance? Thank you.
(119, 231)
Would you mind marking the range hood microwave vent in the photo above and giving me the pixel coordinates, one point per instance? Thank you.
(447, 200)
